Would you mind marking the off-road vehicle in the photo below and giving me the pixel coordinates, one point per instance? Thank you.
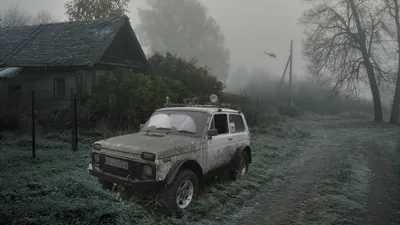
(178, 148)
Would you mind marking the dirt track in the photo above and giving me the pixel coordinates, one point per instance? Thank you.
(346, 174)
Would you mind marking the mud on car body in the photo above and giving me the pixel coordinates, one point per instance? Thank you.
(175, 151)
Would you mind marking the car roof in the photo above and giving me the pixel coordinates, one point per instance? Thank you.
(209, 110)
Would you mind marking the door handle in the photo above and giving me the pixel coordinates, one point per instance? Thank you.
(230, 139)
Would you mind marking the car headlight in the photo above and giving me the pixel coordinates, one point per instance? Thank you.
(148, 156)
(96, 158)
(147, 171)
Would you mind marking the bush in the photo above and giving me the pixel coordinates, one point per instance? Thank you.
(128, 99)
(289, 110)
(9, 123)
(56, 119)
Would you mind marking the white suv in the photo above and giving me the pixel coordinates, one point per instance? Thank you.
(175, 151)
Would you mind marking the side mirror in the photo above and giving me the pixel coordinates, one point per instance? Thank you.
(211, 133)
(141, 126)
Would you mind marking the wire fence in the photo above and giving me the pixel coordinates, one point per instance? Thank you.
(30, 115)
(35, 115)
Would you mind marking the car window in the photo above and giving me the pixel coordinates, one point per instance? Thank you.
(238, 123)
(220, 122)
(212, 124)
(183, 122)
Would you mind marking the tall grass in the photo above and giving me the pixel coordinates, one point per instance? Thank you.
(55, 188)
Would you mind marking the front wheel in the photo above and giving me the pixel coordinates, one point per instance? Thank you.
(242, 168)
(180, 194)
(106, 185)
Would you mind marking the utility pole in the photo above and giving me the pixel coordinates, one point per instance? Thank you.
(289, 64)
(290, 72)
(284, 72)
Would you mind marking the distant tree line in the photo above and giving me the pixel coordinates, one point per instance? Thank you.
(15, 16)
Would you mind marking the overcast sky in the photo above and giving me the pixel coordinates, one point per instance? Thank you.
(250, 27)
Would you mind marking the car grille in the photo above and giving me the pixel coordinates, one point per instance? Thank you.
(132, 171)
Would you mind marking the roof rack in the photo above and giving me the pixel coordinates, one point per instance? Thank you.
(193, 102)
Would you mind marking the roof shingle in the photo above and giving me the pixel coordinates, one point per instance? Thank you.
(58, 44)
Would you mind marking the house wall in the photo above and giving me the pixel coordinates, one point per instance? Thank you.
(43, 83)
(82, 82)
(86, 83)
(123, 50)
(44, 87)
(2, 97)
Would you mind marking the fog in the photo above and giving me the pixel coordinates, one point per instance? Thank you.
(250, 27)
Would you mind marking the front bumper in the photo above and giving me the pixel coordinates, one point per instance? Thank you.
(126, 182)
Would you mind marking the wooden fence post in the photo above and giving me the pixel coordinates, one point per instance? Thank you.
(73, 117)
(75, 125)
(33, 126)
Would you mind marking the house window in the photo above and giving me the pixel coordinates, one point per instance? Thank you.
(60, 88)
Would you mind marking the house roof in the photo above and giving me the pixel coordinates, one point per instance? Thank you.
(80, 43)
(9, 72)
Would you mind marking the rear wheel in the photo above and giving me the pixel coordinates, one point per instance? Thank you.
(242, 167)
(180, 194)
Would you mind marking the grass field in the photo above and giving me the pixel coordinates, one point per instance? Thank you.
(55, 188)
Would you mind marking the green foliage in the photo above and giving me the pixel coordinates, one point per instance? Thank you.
(77, 10)
(191, 79)
(253, 109)
(183, 27)
(137, 96)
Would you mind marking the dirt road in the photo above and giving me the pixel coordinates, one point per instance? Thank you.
(345, 175)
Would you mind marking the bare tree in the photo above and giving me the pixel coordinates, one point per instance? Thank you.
(341, 46)
(14, 16)
(43, 17)
(393, 8)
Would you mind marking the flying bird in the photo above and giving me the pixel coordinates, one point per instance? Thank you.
(270, 54)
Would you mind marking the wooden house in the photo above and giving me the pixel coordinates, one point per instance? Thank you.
(55, 59)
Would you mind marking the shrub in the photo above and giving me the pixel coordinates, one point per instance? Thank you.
(289, 110)
(128, 99)
(9, 123)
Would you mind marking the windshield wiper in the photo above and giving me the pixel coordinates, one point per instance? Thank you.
(163, 128)
(186, 132)
(168, 130)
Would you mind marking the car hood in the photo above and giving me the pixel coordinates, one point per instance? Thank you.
(162, 146)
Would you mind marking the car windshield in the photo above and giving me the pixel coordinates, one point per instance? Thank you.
(179, 122)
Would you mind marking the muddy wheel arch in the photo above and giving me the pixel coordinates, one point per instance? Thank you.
(187, 164)
(238, 155)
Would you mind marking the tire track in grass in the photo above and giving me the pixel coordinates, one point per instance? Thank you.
(383, 200)
(279, 204)
(329, 187)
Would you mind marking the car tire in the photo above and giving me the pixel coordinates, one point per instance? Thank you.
(106, 185)
(241, 168)
(179, 195)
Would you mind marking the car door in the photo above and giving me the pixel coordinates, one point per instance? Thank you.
(217, 144)
(238, 133)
